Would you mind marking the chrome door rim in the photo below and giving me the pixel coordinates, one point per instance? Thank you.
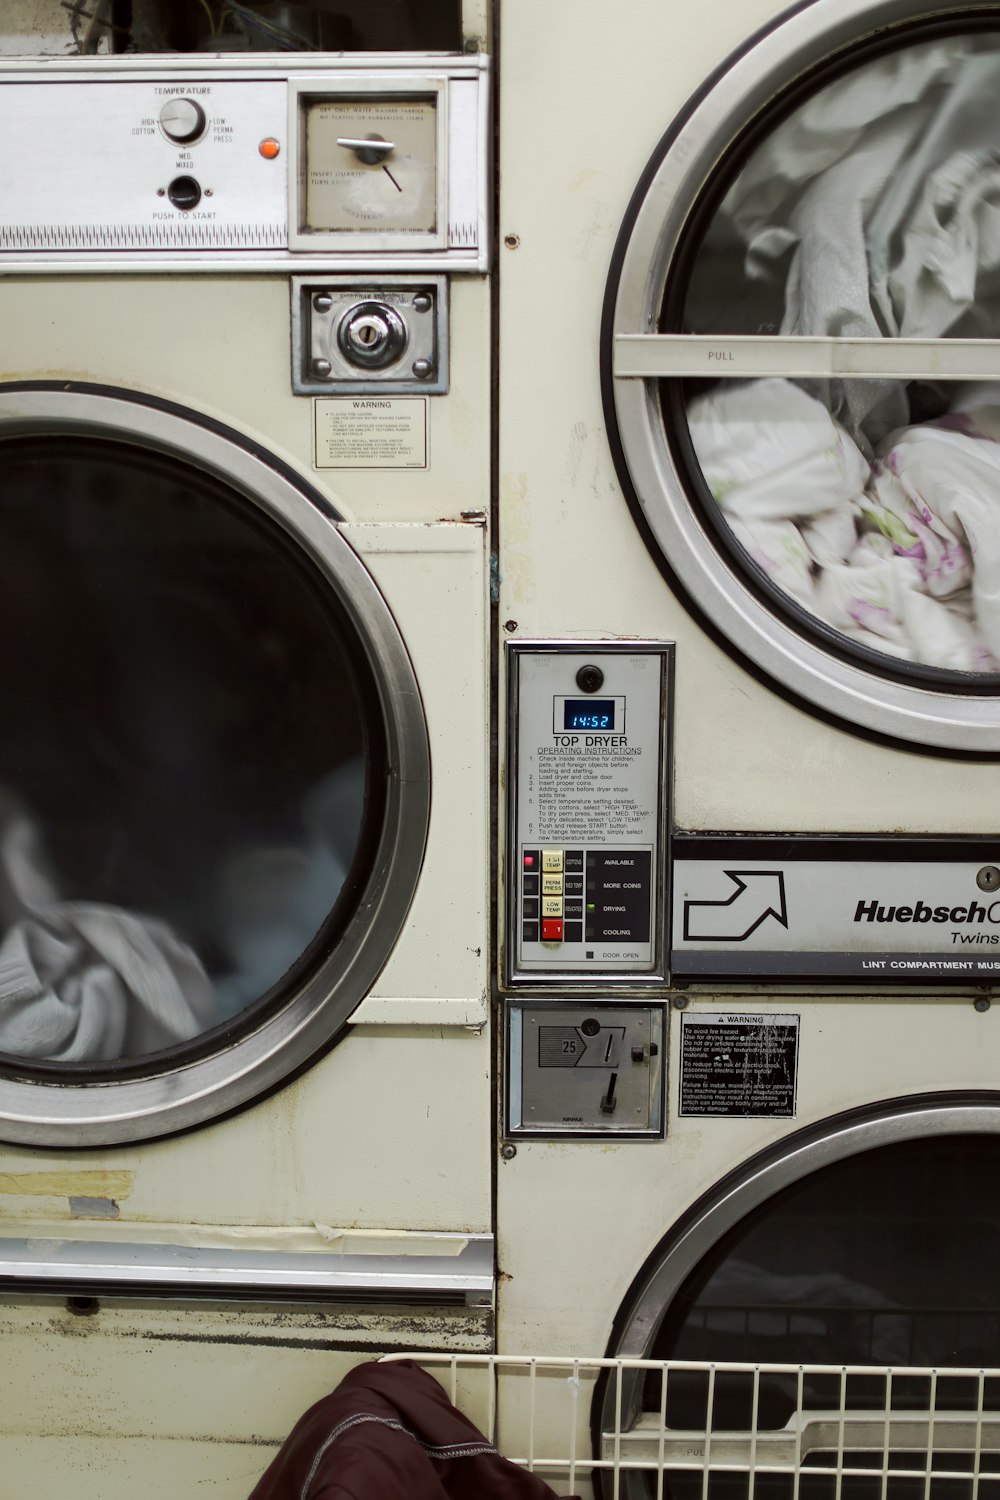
(747, 1188)
(173, 1098)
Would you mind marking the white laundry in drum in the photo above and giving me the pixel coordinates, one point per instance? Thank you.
(871, 211)
(86, 981)
(902, 553)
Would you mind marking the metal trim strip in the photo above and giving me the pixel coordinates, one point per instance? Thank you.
(86, 1267)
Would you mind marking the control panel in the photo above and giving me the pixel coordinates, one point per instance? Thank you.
(584, 1070)
(383, 160)
(588, 779)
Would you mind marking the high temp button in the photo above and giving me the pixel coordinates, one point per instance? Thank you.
(552, 861)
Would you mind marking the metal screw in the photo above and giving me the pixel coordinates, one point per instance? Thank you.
(680, 1002)
(988, 878)
(512, 241)
(208, 192)
(508, 1151)
(472, 44)
(322, 302)
(161, 192)
(510, 626)
(422, 369)
(322, 368)
(983, 1003)
(421, 302)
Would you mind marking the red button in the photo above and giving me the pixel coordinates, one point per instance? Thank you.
(552, 929)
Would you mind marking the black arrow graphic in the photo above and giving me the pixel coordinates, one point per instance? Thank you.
(758, 894)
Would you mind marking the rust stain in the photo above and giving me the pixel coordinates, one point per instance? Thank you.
(67, 1184)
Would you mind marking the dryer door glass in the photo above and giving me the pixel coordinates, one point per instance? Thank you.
(190, 762)
(870, 505)
(800, 371)
(886, 1258)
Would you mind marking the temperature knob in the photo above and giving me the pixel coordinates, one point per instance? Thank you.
(182, 120)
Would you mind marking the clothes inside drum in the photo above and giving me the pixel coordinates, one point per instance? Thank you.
(870, 211)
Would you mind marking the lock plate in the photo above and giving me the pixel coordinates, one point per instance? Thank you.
(387, 337)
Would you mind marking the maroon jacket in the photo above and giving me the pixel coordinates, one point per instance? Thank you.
(389, 1432)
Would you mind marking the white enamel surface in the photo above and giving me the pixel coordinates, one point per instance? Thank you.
(577, 1220)
(392, 1130)
(572, 560)
(604, 1208)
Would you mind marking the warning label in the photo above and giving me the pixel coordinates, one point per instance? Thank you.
(739, 1065)
(371, 432)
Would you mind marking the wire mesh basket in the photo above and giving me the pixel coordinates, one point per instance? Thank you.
(633, 1429)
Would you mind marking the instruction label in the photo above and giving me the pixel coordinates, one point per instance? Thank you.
(743, 1066)
(371, 432)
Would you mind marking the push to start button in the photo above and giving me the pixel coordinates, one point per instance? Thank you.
(552, 929)
(184, 193)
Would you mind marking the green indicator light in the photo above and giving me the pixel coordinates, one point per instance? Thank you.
(591, 906)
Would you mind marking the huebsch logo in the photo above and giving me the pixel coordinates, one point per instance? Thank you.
(870, 911)
(973, 914)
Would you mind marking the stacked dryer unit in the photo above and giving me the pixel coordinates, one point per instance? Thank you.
(747, 532)
(245, 1098)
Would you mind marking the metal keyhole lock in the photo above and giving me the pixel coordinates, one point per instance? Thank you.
(371, 334)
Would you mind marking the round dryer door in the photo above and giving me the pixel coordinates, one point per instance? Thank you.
(802, 372)
(214, 778)
(866, 1244)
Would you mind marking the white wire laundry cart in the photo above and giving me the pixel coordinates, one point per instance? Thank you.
(693, 1430)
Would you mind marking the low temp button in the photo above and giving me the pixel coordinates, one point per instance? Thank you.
(182, 120)
(184, 193)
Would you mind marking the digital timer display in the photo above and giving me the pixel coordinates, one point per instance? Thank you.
(589, 713)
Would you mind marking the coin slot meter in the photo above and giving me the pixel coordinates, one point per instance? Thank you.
(585, 1070)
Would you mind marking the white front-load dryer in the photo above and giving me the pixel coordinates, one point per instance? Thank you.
(748, 340)
(246, 1098)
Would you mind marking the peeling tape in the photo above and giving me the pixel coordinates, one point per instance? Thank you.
(67, 1184)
